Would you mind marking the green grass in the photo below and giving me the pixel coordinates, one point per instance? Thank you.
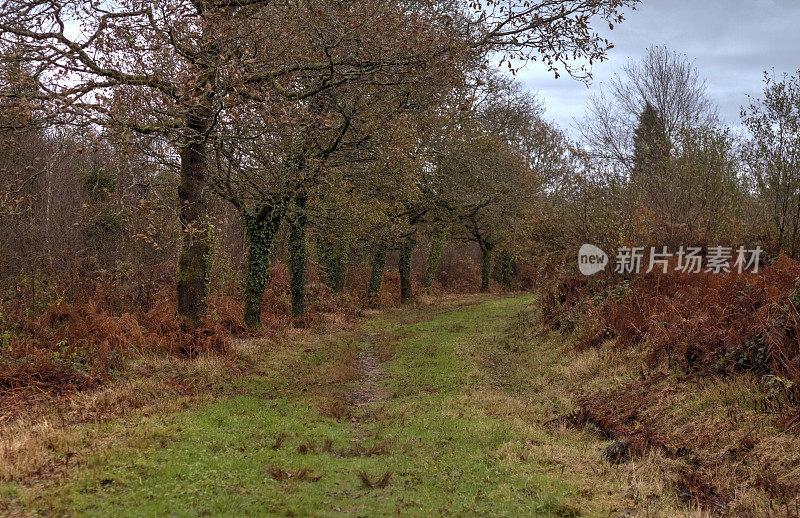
(453, 431)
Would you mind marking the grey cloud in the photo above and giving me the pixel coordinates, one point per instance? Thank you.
(731, 41)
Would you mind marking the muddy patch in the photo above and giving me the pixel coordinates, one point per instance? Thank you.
(369, 389)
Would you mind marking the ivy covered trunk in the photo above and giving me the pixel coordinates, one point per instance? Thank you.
(196, 256)
(260, 230)
(378, 267)
(404, 265)
(340, 265)
(504, 269)
(297, 255)
(486, 265)
(332, 258)
(438, 240)
(325, 254)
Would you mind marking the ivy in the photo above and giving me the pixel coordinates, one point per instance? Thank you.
(208, 257)
(438, 241)
(486, 265)
(378, 266)
(332, 256)
(260, 233)
(404, 265)
(297, 257)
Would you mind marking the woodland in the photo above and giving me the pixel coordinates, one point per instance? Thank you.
(182, 177)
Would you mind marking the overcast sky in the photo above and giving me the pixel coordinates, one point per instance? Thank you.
(731, 42)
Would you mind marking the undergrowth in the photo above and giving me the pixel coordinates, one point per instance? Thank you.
(79, 332)
(688, 334)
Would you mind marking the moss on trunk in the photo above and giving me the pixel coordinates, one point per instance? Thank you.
(438, 241)
(260, 230)
(325, 254)
(196, 255)
(404, 265)
(332, 256)
(486, 265)
(504, 268)
(378, 267)
(297, 255)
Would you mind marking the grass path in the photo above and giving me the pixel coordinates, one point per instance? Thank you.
(419, 412)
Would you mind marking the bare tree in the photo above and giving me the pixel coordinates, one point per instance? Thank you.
(667, 81)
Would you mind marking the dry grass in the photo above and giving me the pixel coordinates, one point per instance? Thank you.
(40, 438)
(379, 483)
(44, 429)
(335, 407)
(341, 372)
(705, 443)
(698, 445)
(694, 377)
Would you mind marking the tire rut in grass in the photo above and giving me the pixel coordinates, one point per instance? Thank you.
(369, 389)
(364, 398)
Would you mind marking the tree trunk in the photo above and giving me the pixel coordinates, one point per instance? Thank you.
(486, 266)
(332, 257)
(325, 257)
(340, 265)
(297, 256)
(48, 211)
(196, 255)
(504, 268)
(378, 267)
(438, 240)
(260, 233)
(404, 265)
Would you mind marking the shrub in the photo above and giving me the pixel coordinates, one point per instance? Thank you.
(705, 323)
(460, 275)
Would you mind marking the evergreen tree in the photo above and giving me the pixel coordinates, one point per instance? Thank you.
(650, 145)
